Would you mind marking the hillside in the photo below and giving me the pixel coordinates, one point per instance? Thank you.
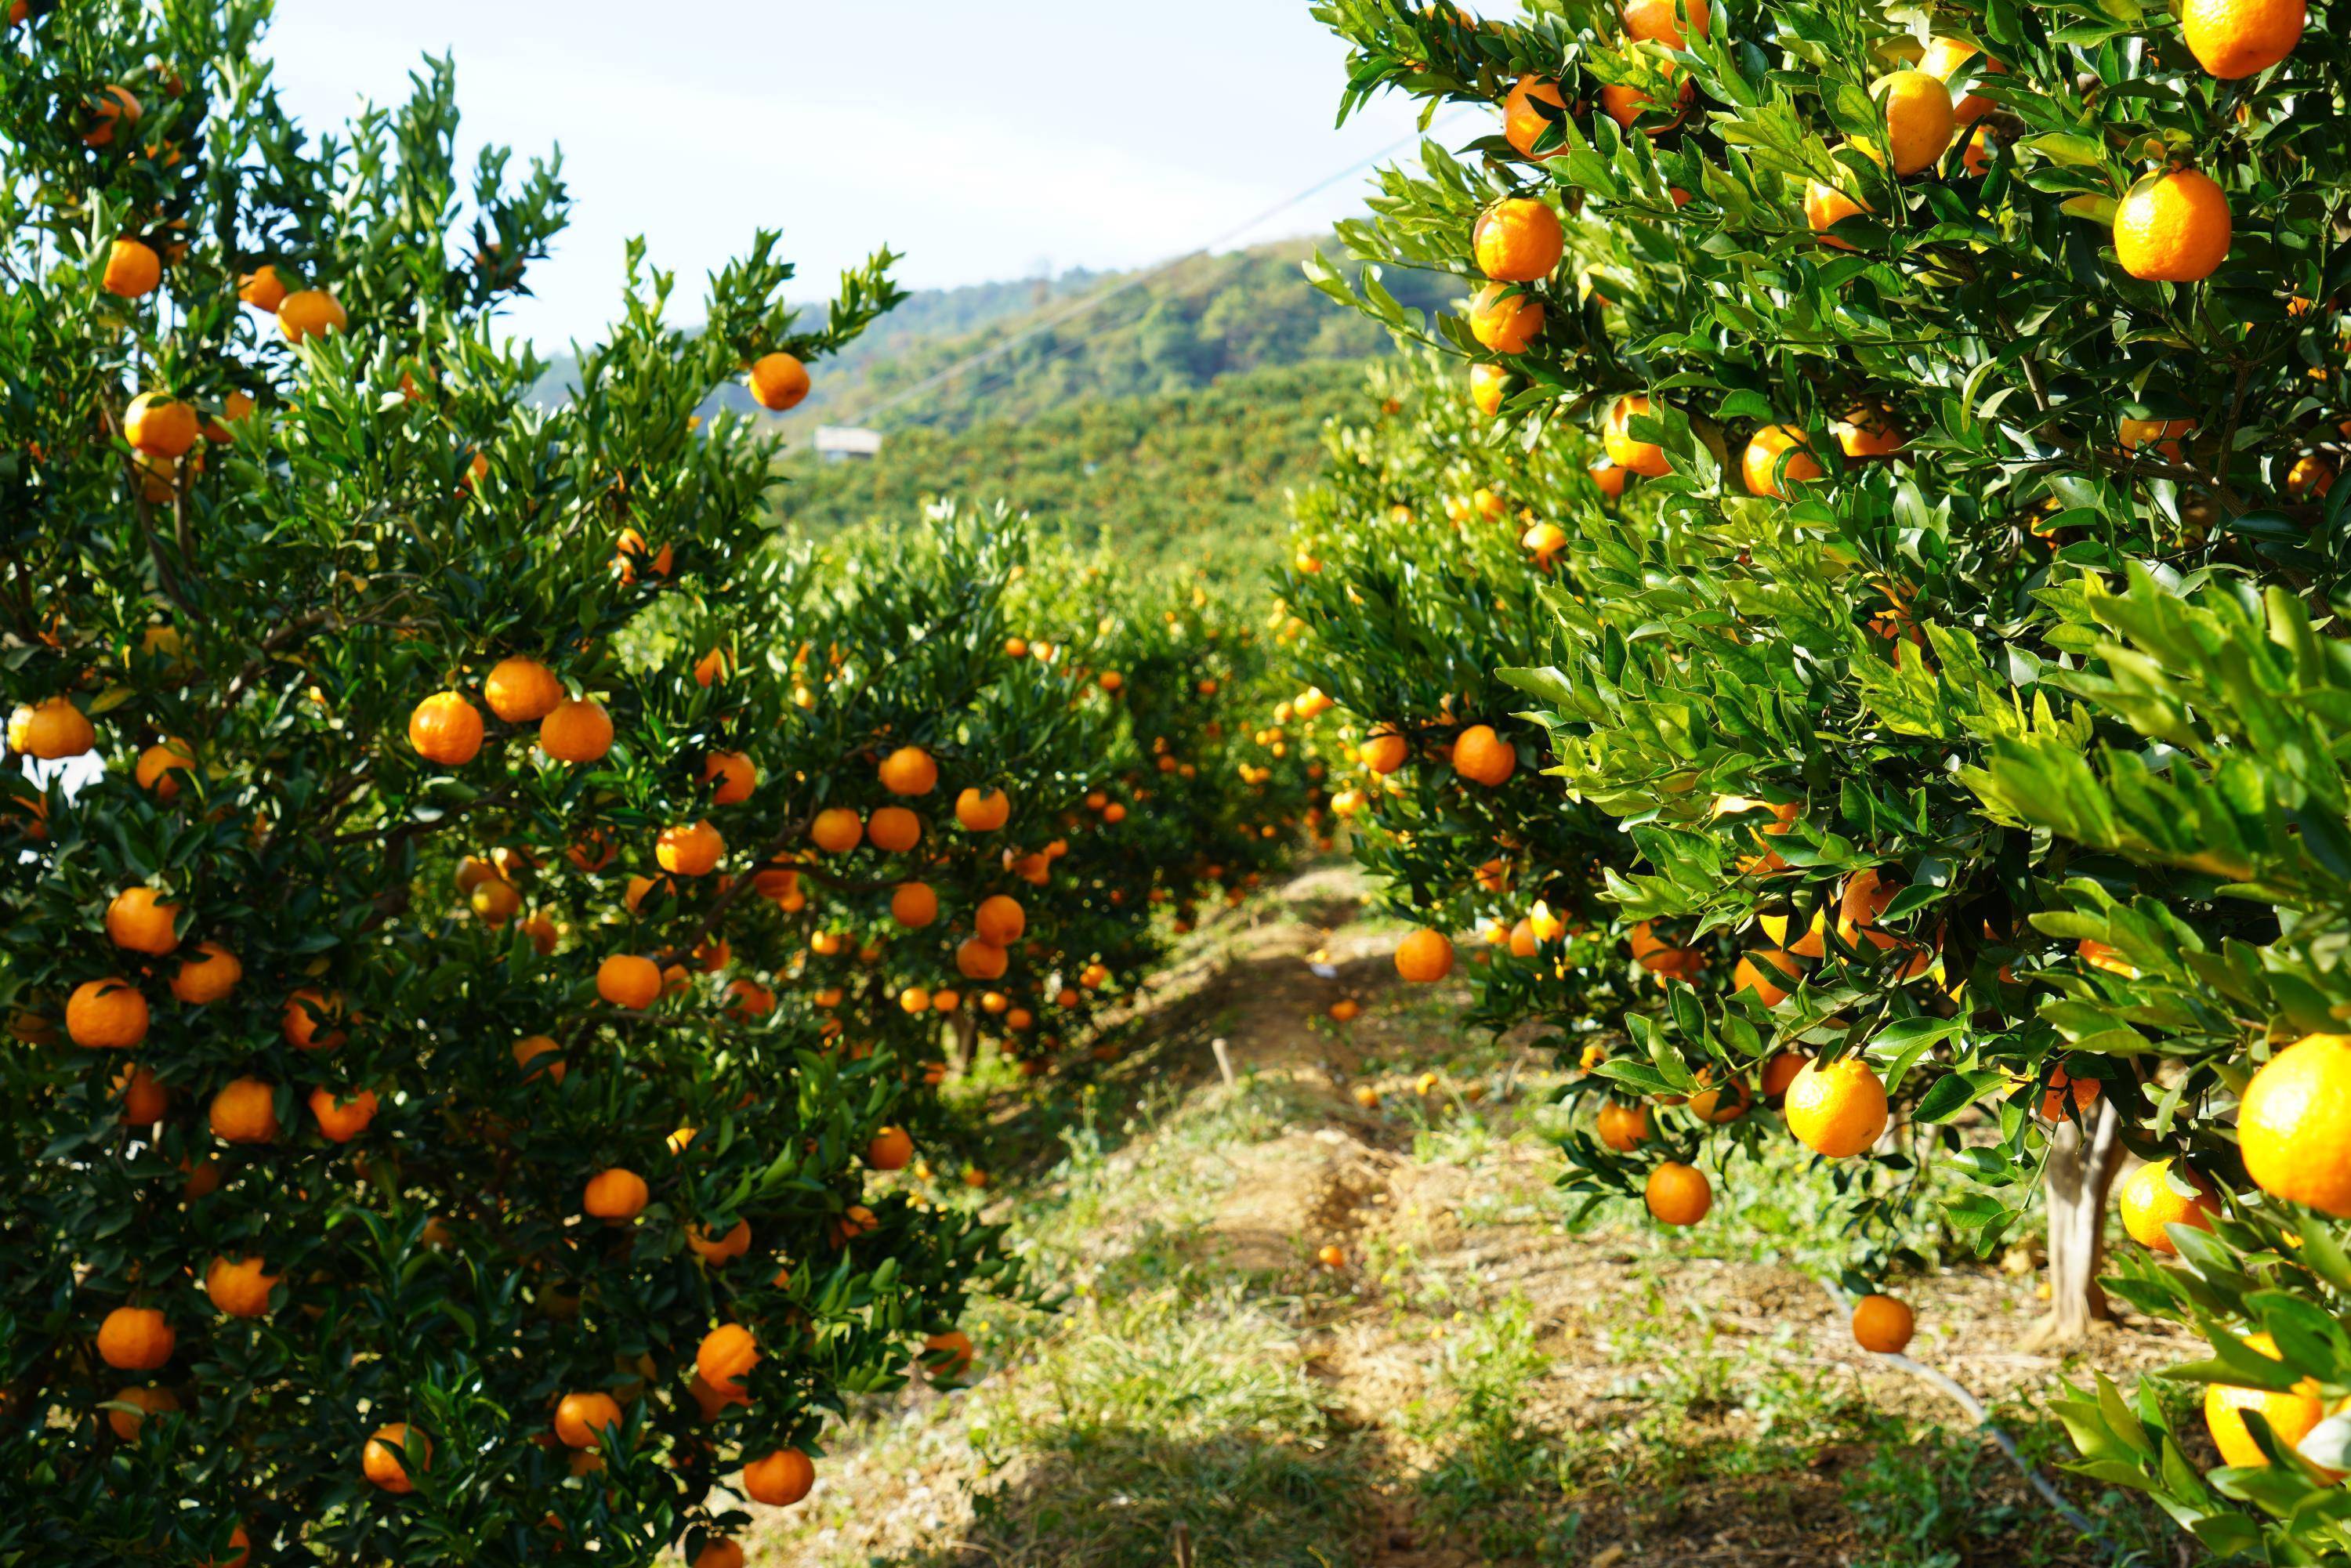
(1194, 477)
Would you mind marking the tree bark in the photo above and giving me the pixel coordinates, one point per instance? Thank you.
(966, 1039)
(2079, 1176)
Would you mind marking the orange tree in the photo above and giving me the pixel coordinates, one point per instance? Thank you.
(432, 1131)
(1990, 338)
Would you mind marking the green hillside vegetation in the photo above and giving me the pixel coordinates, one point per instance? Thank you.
(1191, 480)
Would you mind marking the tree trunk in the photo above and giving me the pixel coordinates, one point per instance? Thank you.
(2080, 1173)
(966, 1039)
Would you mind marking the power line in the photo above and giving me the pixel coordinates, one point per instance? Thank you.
(1103, 296)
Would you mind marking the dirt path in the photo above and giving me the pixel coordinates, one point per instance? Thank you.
(1475, 1382)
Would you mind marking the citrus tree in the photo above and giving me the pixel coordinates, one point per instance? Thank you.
(428, 1137)
(2023, 326)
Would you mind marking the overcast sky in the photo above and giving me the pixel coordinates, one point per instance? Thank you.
(984, 140)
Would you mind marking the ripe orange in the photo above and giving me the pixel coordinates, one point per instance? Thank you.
(521, 690)
(106, 1015)
(690, 849)
(1384, 752)
(1678, 1194)
(1625, 104)
(1919, 119)
(1623, 1127)
(2293, 1124)
(384, 1459)
(894, 830)
(1882, 1325)
(1760, 466)
(2291, 1414)
(948, 1355)
(1424, 956)
(890, 1149)
(341, 1118)
(144, 1098)
(1505, 322)
(1609, 477)
(627, 980)
(576, 730)
(725, 1353)
(1825, 207)
(50, 729)
(1626, 450)
(311, 1019)
(909, 770)
(719, 1251)
(983, 811)
(1754, 973)
(1518, 241)
(980, 959)
(310, 313)
(139, 921)
(160, 425)
(748, 1001)
(2172, 227)
(114, 106)
(1524, 124)
(1780, 1071)
(1867, 432)
(240, 1288)
(1838, 1108)
(2232, 38)
(2149, 1205)
(1484, 757)
(149, 1402)
(244, 1111)
(1717, 1106)
(1000, 919)
(1661, 21)
(581, 1418)
(779, 1479)
(1942, 60)
(263, 290)
(779, 382)
(132, 269)
(913, 905)
(615, 1195)
(445, 728)
(1490, 388)
(158, 765)
(135, 1339)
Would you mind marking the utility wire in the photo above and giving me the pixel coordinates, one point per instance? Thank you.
(1101, 297)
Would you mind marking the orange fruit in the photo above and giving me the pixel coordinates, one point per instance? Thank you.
(1836, 1108)
(1867, 433)
(2291, 1414)
(114, 106)
(244, 1111)
(2172, 227)
(980, 959)
(890, 1149)
(1505, 322)
(1484, 757)
(159, 426)
(725, 1353)
(1623, 1127)
(341, 1118)
(144, 1098)
(139, 921)
(779, 382)
(2149, 1205)
(1524, 124)
(909, 770)
(2293, 1124)
(1384, 752)
(576, 730)
(1626, 450)
(749, 1001)
(1625, 104)
(720, 1553)
(983, 811)
(1780, 1071)
(1661, 21)
(521, 690)
(263, 290)
(50, 729)
(2310, 476)
(627, 980)
(1825, 207)
(1490, 388)
(106, 1015)
(1754, 973)
(2232, 38)
(615, 1195)
(135, 1339)
(1919, 119)
(913, 905)
(132, 269)
(1717, 1106)
(581, 1418)
(1424, 956)
(691, 849)
(310, 313)
(721, 1250)
(149, 1402)
(948, 1355)
(240, 1286)
(384, 1459)
(779, 1479)
(893, 830)
(1942, 60)
(445, 728)
(1518, 241)
(1882, 1325)
(1609, 477)
(1678, 1194)
(310, 1018)
(158, 763)
(1761, 464)
(1000, 919)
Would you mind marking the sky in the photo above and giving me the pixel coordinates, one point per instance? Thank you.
(983, 140)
